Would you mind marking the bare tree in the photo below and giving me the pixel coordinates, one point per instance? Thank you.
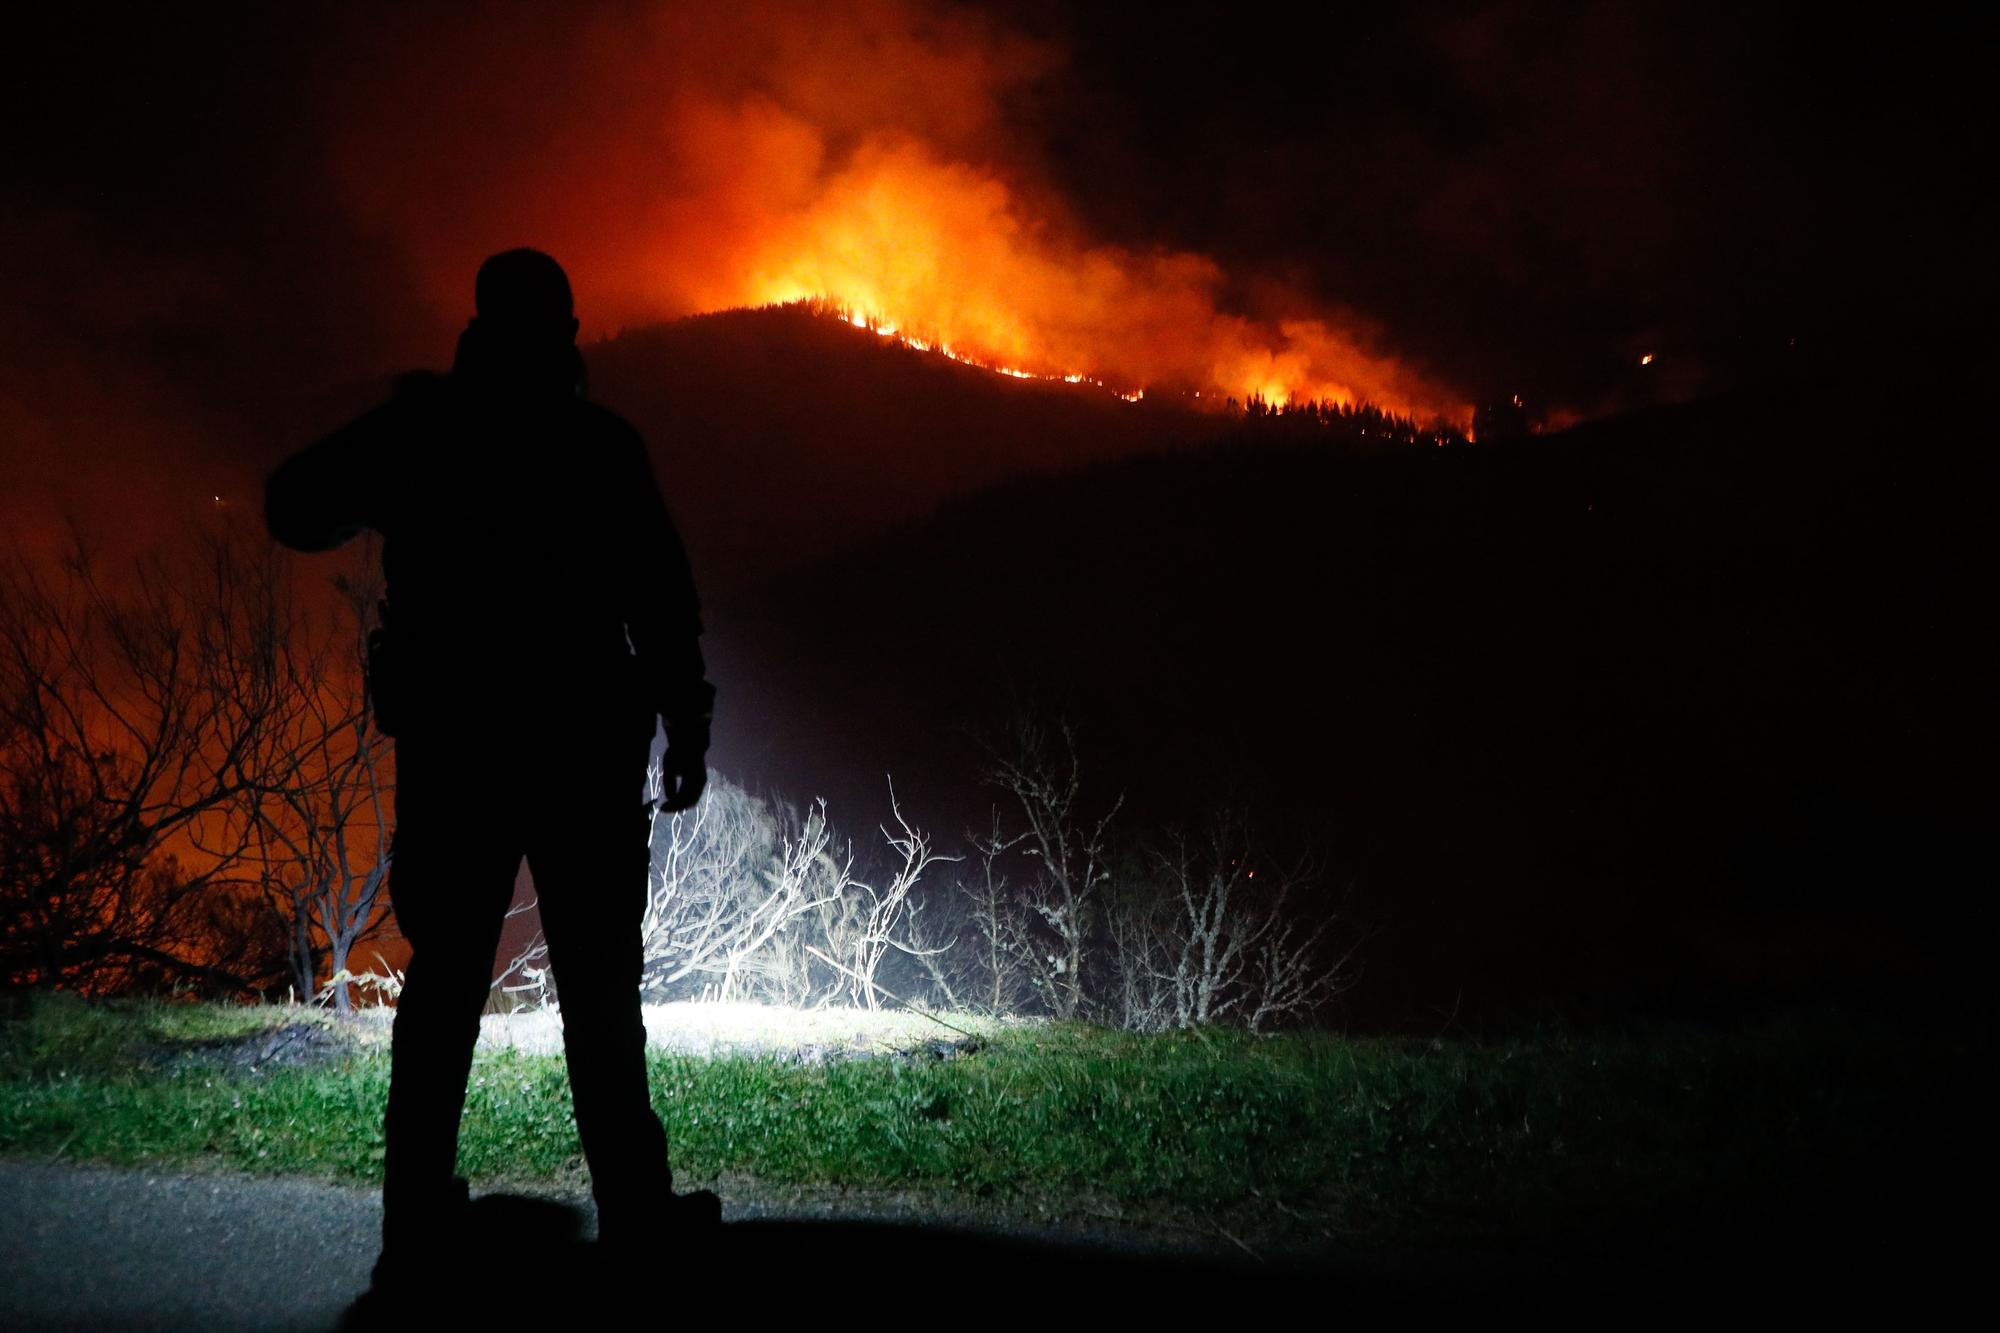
(1219, 932)
(1139, 939)
(1044, 775)
(322, 821)
(1296, 970)
(134, 720)
(701, 861)
(527, 982)
(823, 940)
(997, 954)
(727, 878)
(1218, 924)
(1184, 942)
(785, 972)
(804, 876)
(871, 921)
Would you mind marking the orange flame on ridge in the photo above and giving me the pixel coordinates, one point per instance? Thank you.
(699, 157)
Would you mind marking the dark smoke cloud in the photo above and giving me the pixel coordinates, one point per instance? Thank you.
(1535, 195)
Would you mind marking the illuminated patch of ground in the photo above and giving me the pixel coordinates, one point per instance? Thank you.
(295, 1036)
(810, 1036)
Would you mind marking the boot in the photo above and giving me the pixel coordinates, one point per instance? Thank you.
(419, 1237)
(671, 1224)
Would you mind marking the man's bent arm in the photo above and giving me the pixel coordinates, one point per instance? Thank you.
(323, 496)
(662, 609)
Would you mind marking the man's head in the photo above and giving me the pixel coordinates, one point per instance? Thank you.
(523, 338)
(524, 295)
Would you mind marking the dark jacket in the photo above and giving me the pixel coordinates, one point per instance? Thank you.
(530, 560)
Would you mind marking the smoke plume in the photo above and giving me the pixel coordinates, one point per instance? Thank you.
(685, 158)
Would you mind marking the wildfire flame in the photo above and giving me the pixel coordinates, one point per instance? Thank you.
(694, 158)
(902, 242)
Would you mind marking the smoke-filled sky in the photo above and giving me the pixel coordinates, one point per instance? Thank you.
(220, 220)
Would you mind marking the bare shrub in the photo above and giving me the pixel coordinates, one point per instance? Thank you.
(987, 961)
(1217, 932)
(868, 920)
(1044, 774)
(1296, 969)
(727, 878)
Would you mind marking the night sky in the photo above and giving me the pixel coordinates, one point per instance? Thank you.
(220, 219)
(1530, 192)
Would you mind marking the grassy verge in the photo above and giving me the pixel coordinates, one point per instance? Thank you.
(1289, 1139)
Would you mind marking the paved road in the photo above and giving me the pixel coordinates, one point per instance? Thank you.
(105, 1248)
(102, 1248)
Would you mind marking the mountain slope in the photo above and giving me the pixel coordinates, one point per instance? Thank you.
(780, 434)
(1687, 702)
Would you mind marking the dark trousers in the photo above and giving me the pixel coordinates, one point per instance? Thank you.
(470, 804)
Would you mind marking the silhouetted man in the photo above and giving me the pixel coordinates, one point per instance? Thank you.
(539, 615)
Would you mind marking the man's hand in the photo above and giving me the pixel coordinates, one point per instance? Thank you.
(684, 771)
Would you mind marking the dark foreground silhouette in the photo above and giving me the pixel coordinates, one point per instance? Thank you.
(540, 614)
(1847, 1256)
(116, 1248)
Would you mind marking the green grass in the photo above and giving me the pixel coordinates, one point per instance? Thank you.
(1289, 1138)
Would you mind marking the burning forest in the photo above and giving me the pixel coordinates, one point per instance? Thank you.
(698, 158)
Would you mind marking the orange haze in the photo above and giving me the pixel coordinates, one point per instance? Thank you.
(688, 158)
